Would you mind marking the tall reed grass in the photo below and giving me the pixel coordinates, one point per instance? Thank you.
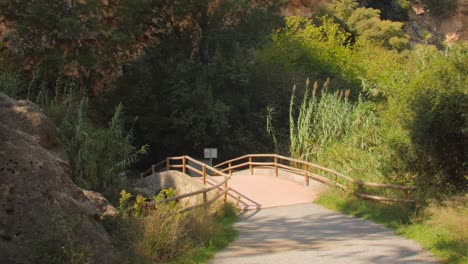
(325, 118)
(97, 153)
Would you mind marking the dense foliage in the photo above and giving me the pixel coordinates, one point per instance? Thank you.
(87, 40)
(206, 73)
(192, 89)
(202, 73)
(161, 235)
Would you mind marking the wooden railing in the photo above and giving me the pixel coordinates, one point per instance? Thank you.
(307, 169)
(274, 161)
(206, 171)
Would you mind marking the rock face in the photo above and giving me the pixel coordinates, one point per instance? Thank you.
(455, 27)
(303, 7)
(44, 216)
(450, 29)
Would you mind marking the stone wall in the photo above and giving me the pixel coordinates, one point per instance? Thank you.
(176, 180)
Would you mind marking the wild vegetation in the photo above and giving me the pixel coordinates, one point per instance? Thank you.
(131, 82)
(438, 227)
(161, 235)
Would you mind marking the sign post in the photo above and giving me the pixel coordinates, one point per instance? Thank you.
(210, 153)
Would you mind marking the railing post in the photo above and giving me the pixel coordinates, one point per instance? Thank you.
(276, 166)
(250, 166)
(205, 199)
(225, 190)
(153, 171)
(168, 165)
(230, 170)
(184, 161)
(204, 174)
(334, 178)
(407, 194)
(306, 176)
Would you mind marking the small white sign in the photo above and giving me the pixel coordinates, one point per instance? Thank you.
(211, 153)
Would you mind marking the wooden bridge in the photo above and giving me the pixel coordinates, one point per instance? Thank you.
(257, 181)
(284, 225)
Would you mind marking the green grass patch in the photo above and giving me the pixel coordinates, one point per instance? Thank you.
(441, 229)
(392, 216)
(438, 240)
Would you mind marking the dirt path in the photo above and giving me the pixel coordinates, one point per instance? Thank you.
(308, 233)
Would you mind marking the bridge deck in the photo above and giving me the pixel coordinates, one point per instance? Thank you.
(264, 190)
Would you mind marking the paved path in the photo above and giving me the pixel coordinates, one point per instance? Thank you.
(280, 224)
(308, 233)
(264, 190)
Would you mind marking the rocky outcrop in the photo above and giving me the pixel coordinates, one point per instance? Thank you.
(303, 7)
(44, 216)
(455, 27)
(449, 29)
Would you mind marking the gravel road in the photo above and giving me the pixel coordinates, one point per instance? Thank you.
(308, 233)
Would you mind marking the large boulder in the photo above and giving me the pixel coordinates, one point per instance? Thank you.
(44, 216)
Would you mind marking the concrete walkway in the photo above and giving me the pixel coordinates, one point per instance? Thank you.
(308, 233)
(279, 224)
(265, 190)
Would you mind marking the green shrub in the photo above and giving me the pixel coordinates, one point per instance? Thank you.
(368, 25)
(439, 134)
(97, 155)
(10, 84)
(437, 103)
(161, 235)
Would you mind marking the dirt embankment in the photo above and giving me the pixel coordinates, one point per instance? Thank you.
(449, 28)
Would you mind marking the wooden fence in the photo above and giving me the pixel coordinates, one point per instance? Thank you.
(206, 171)
(307, 169)
(225, 169)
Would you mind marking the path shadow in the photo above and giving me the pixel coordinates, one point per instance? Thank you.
(332, 236)
(237, 196)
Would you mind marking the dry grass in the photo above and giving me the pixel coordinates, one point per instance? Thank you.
(451, 215)
(158, 236)
(161, 235)
(441, 228)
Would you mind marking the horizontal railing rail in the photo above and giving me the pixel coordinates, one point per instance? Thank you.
(299, 167)
(305, 168)
(205, 172)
